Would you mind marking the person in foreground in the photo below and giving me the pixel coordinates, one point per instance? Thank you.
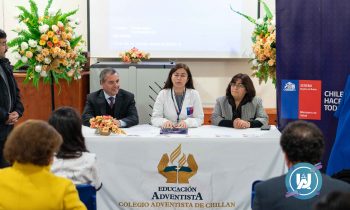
(334, 201)
(73, 160)
(111, 100)
(240, 108)
(28, 184)
(178, 104)
(11, 107)
(301, 142)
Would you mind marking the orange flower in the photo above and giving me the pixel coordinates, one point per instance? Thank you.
(44, 37)
(49, 44)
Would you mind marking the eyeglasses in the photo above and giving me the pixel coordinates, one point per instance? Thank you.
(180, 75)
(238, 85)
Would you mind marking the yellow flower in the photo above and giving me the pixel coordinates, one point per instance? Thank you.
(50, 34)
(55, 39)
(42, 42)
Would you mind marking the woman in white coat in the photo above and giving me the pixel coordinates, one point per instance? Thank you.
(178, 104)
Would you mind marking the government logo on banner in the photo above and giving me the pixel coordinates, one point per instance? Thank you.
(301, 99)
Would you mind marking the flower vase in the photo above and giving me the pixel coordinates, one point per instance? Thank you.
(102, 132)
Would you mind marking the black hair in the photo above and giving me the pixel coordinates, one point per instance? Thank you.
(189, 84)
(248, 85)
(68, 123)
(2, 34)
(302, 142)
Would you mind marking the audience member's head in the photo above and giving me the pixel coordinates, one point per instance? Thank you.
(68, 123)
(334, 201)
(302, 141)
(240, 87)
(34, 142)
(179, 72)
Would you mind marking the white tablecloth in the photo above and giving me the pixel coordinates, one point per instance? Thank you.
(228, 161)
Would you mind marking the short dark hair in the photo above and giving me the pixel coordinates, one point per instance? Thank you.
(169, 83)
(302, 142)
(105, 72)
(68, 123)
(33, 141)
(248, 85)
(334, 201)
(2, 34)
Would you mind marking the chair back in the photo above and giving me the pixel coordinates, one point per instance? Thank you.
(253, 192)
(87, 194)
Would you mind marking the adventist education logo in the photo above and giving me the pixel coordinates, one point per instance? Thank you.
(303, 181)
(177, 172)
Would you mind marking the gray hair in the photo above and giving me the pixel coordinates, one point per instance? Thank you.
(105, 72)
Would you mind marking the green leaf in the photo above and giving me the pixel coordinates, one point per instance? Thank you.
(26, 35)
(34, 9)
(16, 41)
(246, 16)
(65, 15)
(75, 41)
(267, 10)
(46, 11)
(25, 14)
(18, 65)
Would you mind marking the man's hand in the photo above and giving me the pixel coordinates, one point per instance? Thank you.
(13, 118)
(117, 122)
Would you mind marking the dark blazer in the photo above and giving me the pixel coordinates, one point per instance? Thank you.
(270, 194)
(14, 93)
(124, 110)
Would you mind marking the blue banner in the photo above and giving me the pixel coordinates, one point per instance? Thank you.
(340, 155)
(312, 48)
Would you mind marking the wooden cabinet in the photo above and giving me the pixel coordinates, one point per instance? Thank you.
(271, 112)
(37, 102)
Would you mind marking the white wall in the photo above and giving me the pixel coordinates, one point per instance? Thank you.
(211, 76)
(1, 14)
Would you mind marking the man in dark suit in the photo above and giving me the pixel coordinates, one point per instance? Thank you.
(111, 100)
(11, 107)
(301, 142)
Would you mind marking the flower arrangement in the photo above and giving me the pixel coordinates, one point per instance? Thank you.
(47, 44)
(105, 125)
(134, 55)
(264, 46)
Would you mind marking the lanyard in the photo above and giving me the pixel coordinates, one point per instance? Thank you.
(178, 110)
